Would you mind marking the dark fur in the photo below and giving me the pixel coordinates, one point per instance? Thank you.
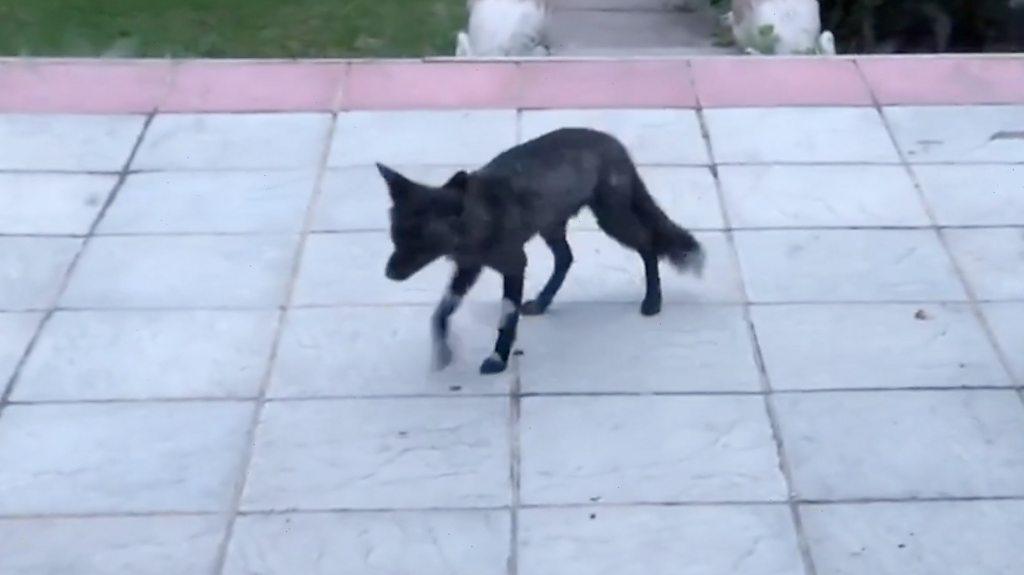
(484, 218)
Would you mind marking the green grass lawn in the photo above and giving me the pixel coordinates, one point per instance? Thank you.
(230, 28)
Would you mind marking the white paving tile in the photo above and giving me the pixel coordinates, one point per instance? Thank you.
(651, 136)
(686, 194)
(32, 270)
(225, 141)
(647, 449)
(959, 133)
(424, 543)
(110, 545)
(112, 458)
(67, 142)
(917, 538)
(182, 271)
(591, 348)
(368, 351)
(904, 444)
(764, 135)
(749, 540)
(871, 346)
(236, 202)
(381, 454)
(147, 355)
(1007, 323)
(605, 271)
(349, 269)
(992, 259)
(51, 203)
(846, 265)
(990, 195)
(16, 330)
(356, 198)
(812, 196)
(409, 137)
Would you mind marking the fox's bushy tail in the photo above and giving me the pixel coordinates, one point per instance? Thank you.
(671, 241)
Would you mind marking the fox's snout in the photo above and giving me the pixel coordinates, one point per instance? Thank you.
(394, 271)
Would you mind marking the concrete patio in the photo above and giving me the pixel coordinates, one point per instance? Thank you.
(204, 370)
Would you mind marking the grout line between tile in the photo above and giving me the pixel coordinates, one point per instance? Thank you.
(343, 167)
(11, 383)
(572, 231)
(972, 297)
(515, 466)
(528, 506)
(794, 510)
(496, 395)
(515, 445)
(424, 304)
(261, 400)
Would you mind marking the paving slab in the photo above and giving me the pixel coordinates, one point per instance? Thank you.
(16, 331)
(372, 351)
(651, 136)
(32, 270)
(982, 195)
(688, 348)
(780, 196)
(847, 265)
(799, 135)
(384, 454)
(233, 141)
(148, 355)
(1007, 323)
(901, 445)
(916, 538)
(110, 545)
(754, 540)
(813, 347)
(448, 138)
(67, 142)
(52, 203)
(182, 272)
(648, 450)
(429, 542)
(121, 458)
(961, 134)
(206, 202)
(991, 259)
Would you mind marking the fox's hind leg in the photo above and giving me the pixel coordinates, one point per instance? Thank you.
(652, 300)
(563, 261)
(464, 279)
(623, 224)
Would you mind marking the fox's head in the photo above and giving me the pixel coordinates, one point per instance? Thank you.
(424, 221)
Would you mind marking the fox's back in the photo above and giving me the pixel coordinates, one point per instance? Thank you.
(555, 175)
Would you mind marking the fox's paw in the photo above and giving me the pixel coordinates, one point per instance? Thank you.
(492, 365)
(651, 306)
(533, 307)
(442, 356)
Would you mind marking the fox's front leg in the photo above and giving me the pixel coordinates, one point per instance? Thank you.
(464, 279)
(510, 306)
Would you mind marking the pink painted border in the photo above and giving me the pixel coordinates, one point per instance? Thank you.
(140, 86)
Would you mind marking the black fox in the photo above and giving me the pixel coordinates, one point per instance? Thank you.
(484, 218)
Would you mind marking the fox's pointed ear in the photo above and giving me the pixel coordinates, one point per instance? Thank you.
(459, 181)
(398, 185)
